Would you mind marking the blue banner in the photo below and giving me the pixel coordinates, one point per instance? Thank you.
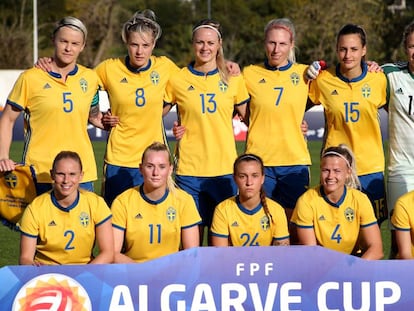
(208, 278)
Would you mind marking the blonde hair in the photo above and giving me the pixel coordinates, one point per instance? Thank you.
(140, 22)
(286, 24)
(221, 64)
(72, 23)
(344, 152)
(157, 146)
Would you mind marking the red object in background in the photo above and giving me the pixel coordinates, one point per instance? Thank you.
(239, 129)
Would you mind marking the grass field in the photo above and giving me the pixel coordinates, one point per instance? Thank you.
(9, 240)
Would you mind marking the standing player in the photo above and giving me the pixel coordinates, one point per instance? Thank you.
(206, 97)
(249, 218)
(135, 86)
(400, 94)
(154, 219)
(279, 94)
(62, 226)
(56, 106)
(351, 97)
(336, 215)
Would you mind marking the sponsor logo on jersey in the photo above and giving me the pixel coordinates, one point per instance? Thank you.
(334, 92)
(138, 216)
(322, 217)
(262, 81)
(235, 224)
(191, 88)
(124, 80)
(47, 86)
(399, 91)
(52, 223)
(52, 292)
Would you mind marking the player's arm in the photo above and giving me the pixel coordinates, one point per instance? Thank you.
(27, 250)
(372, 242)
(242, 111)
(219, 241)
(104, 239)
(233, 68)
(96, 116)
(306, 236)
(7, 121)
(283, 242)
(190, 237)
(118, 244)
(403, 238)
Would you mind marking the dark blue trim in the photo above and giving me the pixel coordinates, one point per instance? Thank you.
(136, 70)
(199, 73)
(272, 68)
(59, 76)
(247, 211)
(341, 200)
(64, 209)
(148, 200)
(359, 78)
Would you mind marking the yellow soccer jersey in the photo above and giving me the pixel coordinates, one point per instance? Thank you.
(153, 228)
(277, 107)
(136, 97)
(336, 226)
(56, 116)
(65, 235)
(351, 114)
(17, 190)
(403, 215)
(249, 227)
(205, 106)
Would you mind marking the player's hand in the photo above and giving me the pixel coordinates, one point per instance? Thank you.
(109, 120)
(373, 66)
(44, 63)
(7, 165)
(314, 69)
(304, 127)
(233, 68)
(178, 130)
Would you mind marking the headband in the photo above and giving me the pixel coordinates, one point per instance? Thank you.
(207, 26)
(338, 155)
(69, 25)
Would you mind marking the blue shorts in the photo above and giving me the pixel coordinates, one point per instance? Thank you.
(45, 187)
(285, 184)
(373, 185)
(207, 192)
(117, 179)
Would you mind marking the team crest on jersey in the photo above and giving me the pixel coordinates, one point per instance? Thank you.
(366, 91)
(11, 180)
(264, 223)
(223, 86)
(84, 219)
(171, 214)
(295, 78)
(155, 77)
(349, 214)
(84, 85)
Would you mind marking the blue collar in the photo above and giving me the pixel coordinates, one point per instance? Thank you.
(341, 200)
(135, 70)
(148, 200)
(199, 73)
(282, 68)
(64, 209)
(364, 67)
(59, 76)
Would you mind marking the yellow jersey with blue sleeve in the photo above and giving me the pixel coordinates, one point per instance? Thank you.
(153, 228)
(56, 116)
(336, 225)
(278, 98)
(205, 106)
(403, 216)
(136, 97)
(351, 114)
(65, 235)
(244, 227)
